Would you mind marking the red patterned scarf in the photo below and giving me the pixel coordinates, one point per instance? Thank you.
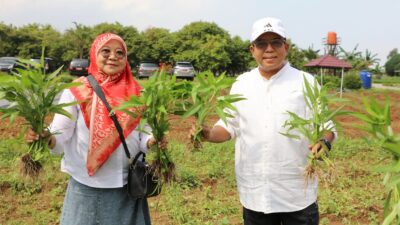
(103, 136)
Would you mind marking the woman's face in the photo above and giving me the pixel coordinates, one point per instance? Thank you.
(111, 58)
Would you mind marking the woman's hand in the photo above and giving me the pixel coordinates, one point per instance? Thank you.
(31, 136)
(163, 144)
(138, 111)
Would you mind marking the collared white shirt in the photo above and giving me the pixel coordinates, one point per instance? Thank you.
(72, 139)
(269, 166)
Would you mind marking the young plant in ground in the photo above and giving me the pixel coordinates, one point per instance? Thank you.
(320, 121)
(31, 95)
(378, 123)
(157, 101)
(208, 96)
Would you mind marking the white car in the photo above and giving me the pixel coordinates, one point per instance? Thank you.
(7, 64)
(146, 69)
(184, 70)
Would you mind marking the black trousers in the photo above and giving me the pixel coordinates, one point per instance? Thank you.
(307, 216)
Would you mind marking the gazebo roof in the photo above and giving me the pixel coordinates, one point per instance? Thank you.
(328, 61)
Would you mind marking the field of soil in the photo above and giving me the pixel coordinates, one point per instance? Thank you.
(179, 129)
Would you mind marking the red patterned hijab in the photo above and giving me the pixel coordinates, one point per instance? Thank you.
(103, 136)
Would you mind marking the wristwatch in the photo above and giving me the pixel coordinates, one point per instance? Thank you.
(326, 142)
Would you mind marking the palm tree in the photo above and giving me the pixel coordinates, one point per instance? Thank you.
(310, 53)
(370, 59)
(354, 57)
(81, 38)
(377, 71)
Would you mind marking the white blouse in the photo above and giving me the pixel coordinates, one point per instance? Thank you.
(72, 138)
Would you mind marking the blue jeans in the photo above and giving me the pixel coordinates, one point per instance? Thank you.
(307, 216)
(84, 205)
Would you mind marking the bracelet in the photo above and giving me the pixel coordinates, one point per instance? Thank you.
(327, 143)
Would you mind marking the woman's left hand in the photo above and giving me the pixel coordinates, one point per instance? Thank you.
(161, 145)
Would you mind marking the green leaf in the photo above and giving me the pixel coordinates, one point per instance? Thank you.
(221, 114)
(293, 136)
(394, 167)
(31, 95)
(192, 111)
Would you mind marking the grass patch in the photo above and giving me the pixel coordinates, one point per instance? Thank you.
(387, 80)
(205, 189)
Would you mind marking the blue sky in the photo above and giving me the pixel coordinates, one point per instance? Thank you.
(372, 24)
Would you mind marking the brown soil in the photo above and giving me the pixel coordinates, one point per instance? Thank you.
(356, 103)
(179, 132)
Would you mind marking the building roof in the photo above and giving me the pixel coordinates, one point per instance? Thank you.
(328, 61)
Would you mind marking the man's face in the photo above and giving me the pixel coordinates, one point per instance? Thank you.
(270, 51)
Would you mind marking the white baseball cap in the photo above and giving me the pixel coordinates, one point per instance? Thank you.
(268, 24)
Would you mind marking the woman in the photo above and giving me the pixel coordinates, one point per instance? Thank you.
(93, 155)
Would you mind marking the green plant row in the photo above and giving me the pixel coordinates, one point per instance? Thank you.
(320, 122)
(31, 94)
(378, 123)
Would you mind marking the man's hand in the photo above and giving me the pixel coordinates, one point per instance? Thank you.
(319, 148)
(204, 133)
(316, 149)
(217, 134)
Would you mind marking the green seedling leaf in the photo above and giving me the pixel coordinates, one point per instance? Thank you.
(313, 128)
(31, 95)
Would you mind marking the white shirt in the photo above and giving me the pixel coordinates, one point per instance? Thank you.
(269, 166)
(72, 140)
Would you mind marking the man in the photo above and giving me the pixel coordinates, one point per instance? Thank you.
(269, 166)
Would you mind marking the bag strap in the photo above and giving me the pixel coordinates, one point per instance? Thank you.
(96, 87)
(137, 157)
(145, 209)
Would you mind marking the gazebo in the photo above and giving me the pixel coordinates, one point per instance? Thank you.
(330, 62)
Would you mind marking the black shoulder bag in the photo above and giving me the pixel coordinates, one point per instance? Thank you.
(142, 182)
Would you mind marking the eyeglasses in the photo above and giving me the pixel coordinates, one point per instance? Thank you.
(263, 44)
(119, 54)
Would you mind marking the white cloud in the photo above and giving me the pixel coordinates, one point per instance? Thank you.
(114, 5)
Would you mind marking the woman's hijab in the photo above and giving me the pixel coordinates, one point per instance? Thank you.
(103, 136)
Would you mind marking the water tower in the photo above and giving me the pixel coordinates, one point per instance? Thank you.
(331, 42)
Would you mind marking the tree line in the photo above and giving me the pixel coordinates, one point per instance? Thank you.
(206, 45)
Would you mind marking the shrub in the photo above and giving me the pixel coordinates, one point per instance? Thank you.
(392, 65)
(329, 81)
(352, 80)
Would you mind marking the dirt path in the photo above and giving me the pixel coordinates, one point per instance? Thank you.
(381, 86)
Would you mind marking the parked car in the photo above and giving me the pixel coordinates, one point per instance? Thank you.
(7, 64)
(184, 70)
(49, 65)
(79, 67)
(146, 69)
